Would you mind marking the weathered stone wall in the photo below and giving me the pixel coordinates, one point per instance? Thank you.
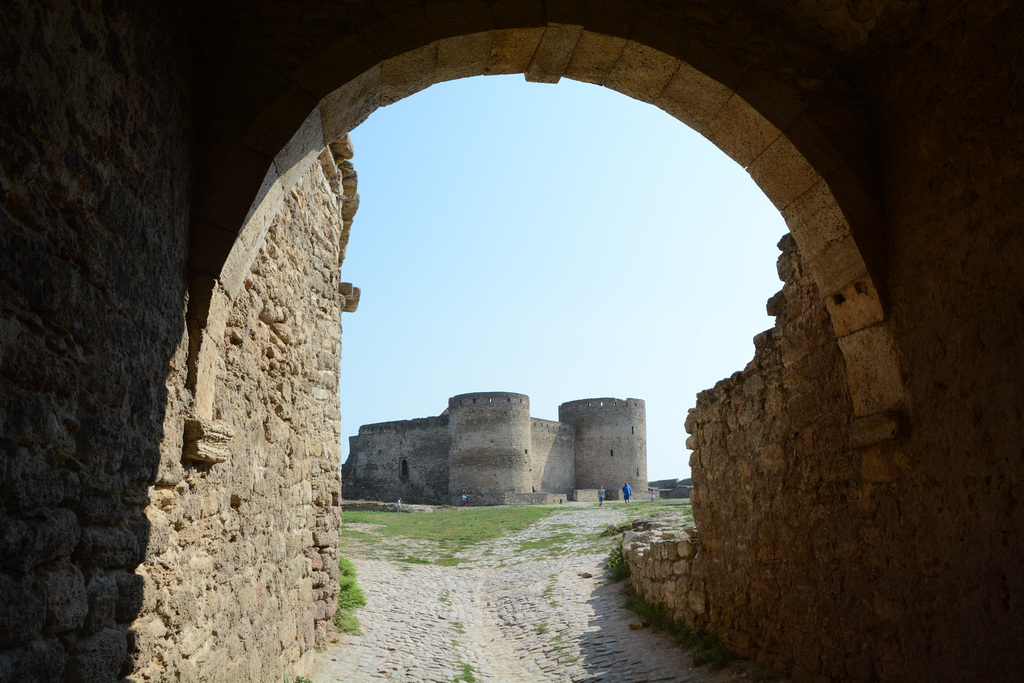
(374, 468)
(552, 456)
(783, 543)
(660, 560)
(610, 443)
(956, 256)
(94, 204)
(241, 575)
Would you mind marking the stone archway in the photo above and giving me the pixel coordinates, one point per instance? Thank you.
(762, 126)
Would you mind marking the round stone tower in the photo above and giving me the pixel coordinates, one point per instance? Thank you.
(490, 437)
(611, 442)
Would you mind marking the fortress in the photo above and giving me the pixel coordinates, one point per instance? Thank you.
(487, 445)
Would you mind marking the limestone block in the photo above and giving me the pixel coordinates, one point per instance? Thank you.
(874, 429)
(130, 595)
(342, 148)
(349, 183)
(29, 483)
(22, 609)
(873, 372)
(692, 97)
(208, 441)
(512, 50)
(349, 206)
(463, 56)
(593, 57)
(351, 295)
(51, 534)
(837, 266)
(91, 658)
(108, 547)
(301, 150)
(740, 131)
(102, 596)
(641, 72)
(854, 307)
(553, 53)
(275, 126)
(351, 104)
(40, 660)
(67, 601)
(815, 220)
(782, 172)
(408, 73)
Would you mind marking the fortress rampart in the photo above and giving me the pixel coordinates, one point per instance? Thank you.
(488, 446)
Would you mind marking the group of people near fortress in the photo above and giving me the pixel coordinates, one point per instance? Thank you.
(627, 491)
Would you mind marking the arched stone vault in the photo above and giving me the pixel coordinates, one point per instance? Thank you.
(766, 126)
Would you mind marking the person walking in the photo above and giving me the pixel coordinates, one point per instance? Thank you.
(600, 497)
(399, 506)
(626, 491)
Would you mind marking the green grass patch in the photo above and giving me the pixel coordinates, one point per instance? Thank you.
(466, 675)
(707, 647)
(449, 529)
(552, 542)
(617, 568)
(413, 560)
(459, 628)
(350, 598)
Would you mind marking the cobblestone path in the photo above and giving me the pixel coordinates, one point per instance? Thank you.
(510, 614)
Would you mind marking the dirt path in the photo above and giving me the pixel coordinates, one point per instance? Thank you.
(510, 614)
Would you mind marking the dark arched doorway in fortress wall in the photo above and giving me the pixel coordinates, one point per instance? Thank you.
(880, 132)
(796, 100)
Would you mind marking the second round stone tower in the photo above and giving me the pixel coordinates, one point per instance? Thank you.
(490, 449)
(611, 442)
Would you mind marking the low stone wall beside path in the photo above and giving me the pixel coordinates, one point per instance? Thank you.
(660, 558)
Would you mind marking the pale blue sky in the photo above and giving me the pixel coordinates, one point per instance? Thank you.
(563, 242)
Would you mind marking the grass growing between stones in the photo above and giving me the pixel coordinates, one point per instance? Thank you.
(350, 598)
(446, 531)
(555, 542)
(466, 675)
(706, 647)
(617, 568)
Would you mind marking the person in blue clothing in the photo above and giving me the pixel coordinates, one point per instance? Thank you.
(626, 491)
